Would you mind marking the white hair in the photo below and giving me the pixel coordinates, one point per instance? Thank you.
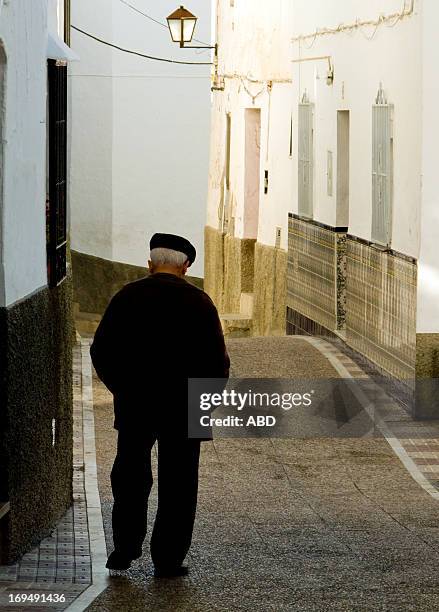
(169, 257)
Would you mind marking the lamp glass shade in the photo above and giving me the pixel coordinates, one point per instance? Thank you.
(175, 29)
(188, 29)
(182, 25)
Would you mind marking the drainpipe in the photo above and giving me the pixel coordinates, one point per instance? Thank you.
(67, 13)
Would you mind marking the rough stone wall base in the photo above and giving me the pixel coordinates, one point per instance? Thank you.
(427, 376)
(36, 336)
(270, 291)
(214, 265)
(235, 267)
(232, 274)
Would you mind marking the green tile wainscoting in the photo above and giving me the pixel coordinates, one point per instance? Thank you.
(340, 285)
(381, 307)
(316, 272)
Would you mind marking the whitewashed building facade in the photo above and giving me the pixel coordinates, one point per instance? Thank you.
(36, 333)
(342, 203)
(140, 140)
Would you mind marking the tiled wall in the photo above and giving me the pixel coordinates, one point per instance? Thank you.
(381, 307)
(315, 253)
(338, 283)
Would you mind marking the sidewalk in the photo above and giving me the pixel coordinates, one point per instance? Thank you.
(59, 569)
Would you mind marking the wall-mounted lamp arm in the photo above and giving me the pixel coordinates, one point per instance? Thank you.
(184, 46)
(314, 59)
(198, 47)
(330, 75)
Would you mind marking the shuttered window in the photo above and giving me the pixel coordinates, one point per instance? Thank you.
(382, 170)
(306, 162)
(56, 209)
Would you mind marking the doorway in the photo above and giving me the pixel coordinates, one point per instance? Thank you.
(343, 130)
(252, 172)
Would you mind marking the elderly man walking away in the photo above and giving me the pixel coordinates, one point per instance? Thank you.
(156, 334)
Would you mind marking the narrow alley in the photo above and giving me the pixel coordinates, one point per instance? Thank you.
(283, 524)
(219, 230)
(298, 524)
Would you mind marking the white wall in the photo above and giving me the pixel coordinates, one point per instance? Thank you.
(257, 38)
(23, 32)
(253, 48)
(55, 17)
(91, 152)
(393, 58)
(428, 274)
(140, 132)
(403, 58)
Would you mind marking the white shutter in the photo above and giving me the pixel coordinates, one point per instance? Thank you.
(306, 165)
(329, 174)
(382, 170)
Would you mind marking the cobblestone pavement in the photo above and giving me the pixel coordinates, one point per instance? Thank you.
(292, 524)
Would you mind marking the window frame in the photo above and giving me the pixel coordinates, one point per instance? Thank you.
(56, 204)
(382, 171)
(306, 158)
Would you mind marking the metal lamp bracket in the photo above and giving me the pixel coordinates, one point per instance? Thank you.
(328, 58)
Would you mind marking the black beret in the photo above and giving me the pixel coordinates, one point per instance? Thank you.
(176, 243)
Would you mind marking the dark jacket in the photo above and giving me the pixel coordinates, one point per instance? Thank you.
(156, 334)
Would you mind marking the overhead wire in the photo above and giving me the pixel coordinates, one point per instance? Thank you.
(134, 8)
(139, 54)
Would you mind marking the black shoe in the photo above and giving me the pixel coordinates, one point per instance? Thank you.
(171, 572)
(119, 561)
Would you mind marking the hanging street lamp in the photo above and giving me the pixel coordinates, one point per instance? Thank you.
(181, 24)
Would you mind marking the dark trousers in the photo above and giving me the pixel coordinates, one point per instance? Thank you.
(131, 482)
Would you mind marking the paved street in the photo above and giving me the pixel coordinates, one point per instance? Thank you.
(292, 524)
